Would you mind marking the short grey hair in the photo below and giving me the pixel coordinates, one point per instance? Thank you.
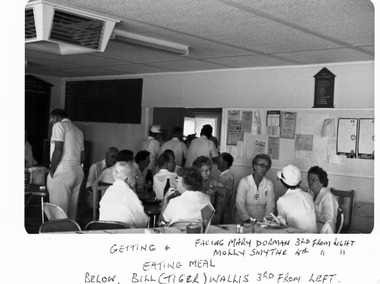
(122, 170)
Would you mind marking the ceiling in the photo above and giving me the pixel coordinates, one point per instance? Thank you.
(221, 34)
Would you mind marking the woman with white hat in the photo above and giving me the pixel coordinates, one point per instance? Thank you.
(296, 207)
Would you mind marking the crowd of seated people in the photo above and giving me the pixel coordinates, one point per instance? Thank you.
(192, 186)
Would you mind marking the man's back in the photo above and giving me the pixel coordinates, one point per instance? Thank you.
(200, 147)
(178, 147)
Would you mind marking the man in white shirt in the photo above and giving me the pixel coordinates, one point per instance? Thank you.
(97, 168)
(120, 203)
(177, 146)
(152, 145)
(142, 162)
(224, 163)
(66, 155)
(167, 166)
(201, 146)
(295, 207)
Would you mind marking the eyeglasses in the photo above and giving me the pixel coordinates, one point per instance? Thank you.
(313, 180)
(263, 166)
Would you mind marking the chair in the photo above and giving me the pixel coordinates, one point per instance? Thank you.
(105, 225)
(59, 225)
(102, 186)
(183, 223)
(346, 203)
(53, 211)
(327, 228)
(363, 217)
(339, 221)
(221, 203)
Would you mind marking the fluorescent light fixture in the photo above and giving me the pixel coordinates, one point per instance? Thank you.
(127, 37)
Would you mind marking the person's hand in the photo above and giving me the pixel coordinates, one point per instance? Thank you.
(169, 193)
(282, 220)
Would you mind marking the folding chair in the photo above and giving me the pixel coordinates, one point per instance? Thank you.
(59, 225)
(105, 225)
(53, 211)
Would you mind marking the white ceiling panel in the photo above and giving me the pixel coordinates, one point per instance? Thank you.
(220, 34)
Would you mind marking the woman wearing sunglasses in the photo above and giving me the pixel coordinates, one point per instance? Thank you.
(255, 194)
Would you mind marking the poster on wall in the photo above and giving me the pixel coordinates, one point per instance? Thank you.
(247, 121)
(288, 124)
(234, 127)
(347, 137)
(273, 122)
(366, 139)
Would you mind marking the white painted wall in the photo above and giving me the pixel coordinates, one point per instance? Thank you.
(284, 87)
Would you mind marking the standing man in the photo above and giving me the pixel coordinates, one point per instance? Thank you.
(177, 146)
(66, 155)
(152, 145)
(201, 146)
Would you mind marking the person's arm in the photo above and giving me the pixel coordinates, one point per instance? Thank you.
(56, 157)
(165, 203)
(328, 211)
(82, 157)
(270, 196)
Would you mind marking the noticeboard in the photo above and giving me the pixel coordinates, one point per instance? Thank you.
(113, 101)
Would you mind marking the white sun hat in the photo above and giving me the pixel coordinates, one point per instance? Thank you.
(156, 128)
(290, 174)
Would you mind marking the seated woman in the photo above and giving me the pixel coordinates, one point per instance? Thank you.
(326, 205)
(255, 194)
(188, 205)
(120, 203)
(212, 187)
(295, 208)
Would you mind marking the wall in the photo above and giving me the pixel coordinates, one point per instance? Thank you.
(284, 87)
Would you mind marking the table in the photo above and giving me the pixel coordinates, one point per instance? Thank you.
(214, 229)
(36, 190)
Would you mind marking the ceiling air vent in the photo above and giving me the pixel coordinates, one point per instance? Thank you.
(64, 30)
(30, 25)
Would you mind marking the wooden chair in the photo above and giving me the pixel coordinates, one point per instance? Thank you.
(346, 204)
(102, 187)
(339, 221)
(221, 203)
(59, 225)
(53, 211)
(105, 225)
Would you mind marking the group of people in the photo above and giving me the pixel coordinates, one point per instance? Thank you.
(188, 170)
(313, 211)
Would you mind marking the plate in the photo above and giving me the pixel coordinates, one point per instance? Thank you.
(271, 225)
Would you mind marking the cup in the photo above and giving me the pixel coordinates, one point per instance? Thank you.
(193, 228)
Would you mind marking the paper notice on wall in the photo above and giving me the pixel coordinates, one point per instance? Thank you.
(274, 147)
(304, 142)
(288, 124)
(318, 152)
(234, 132)
(234, 115)
(328, 128)
(256, 123)
(273, 122)
(256, 144)
(247, 121)
(366, 141)
(347, 137)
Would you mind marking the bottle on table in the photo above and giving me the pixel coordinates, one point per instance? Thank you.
(167, 186)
